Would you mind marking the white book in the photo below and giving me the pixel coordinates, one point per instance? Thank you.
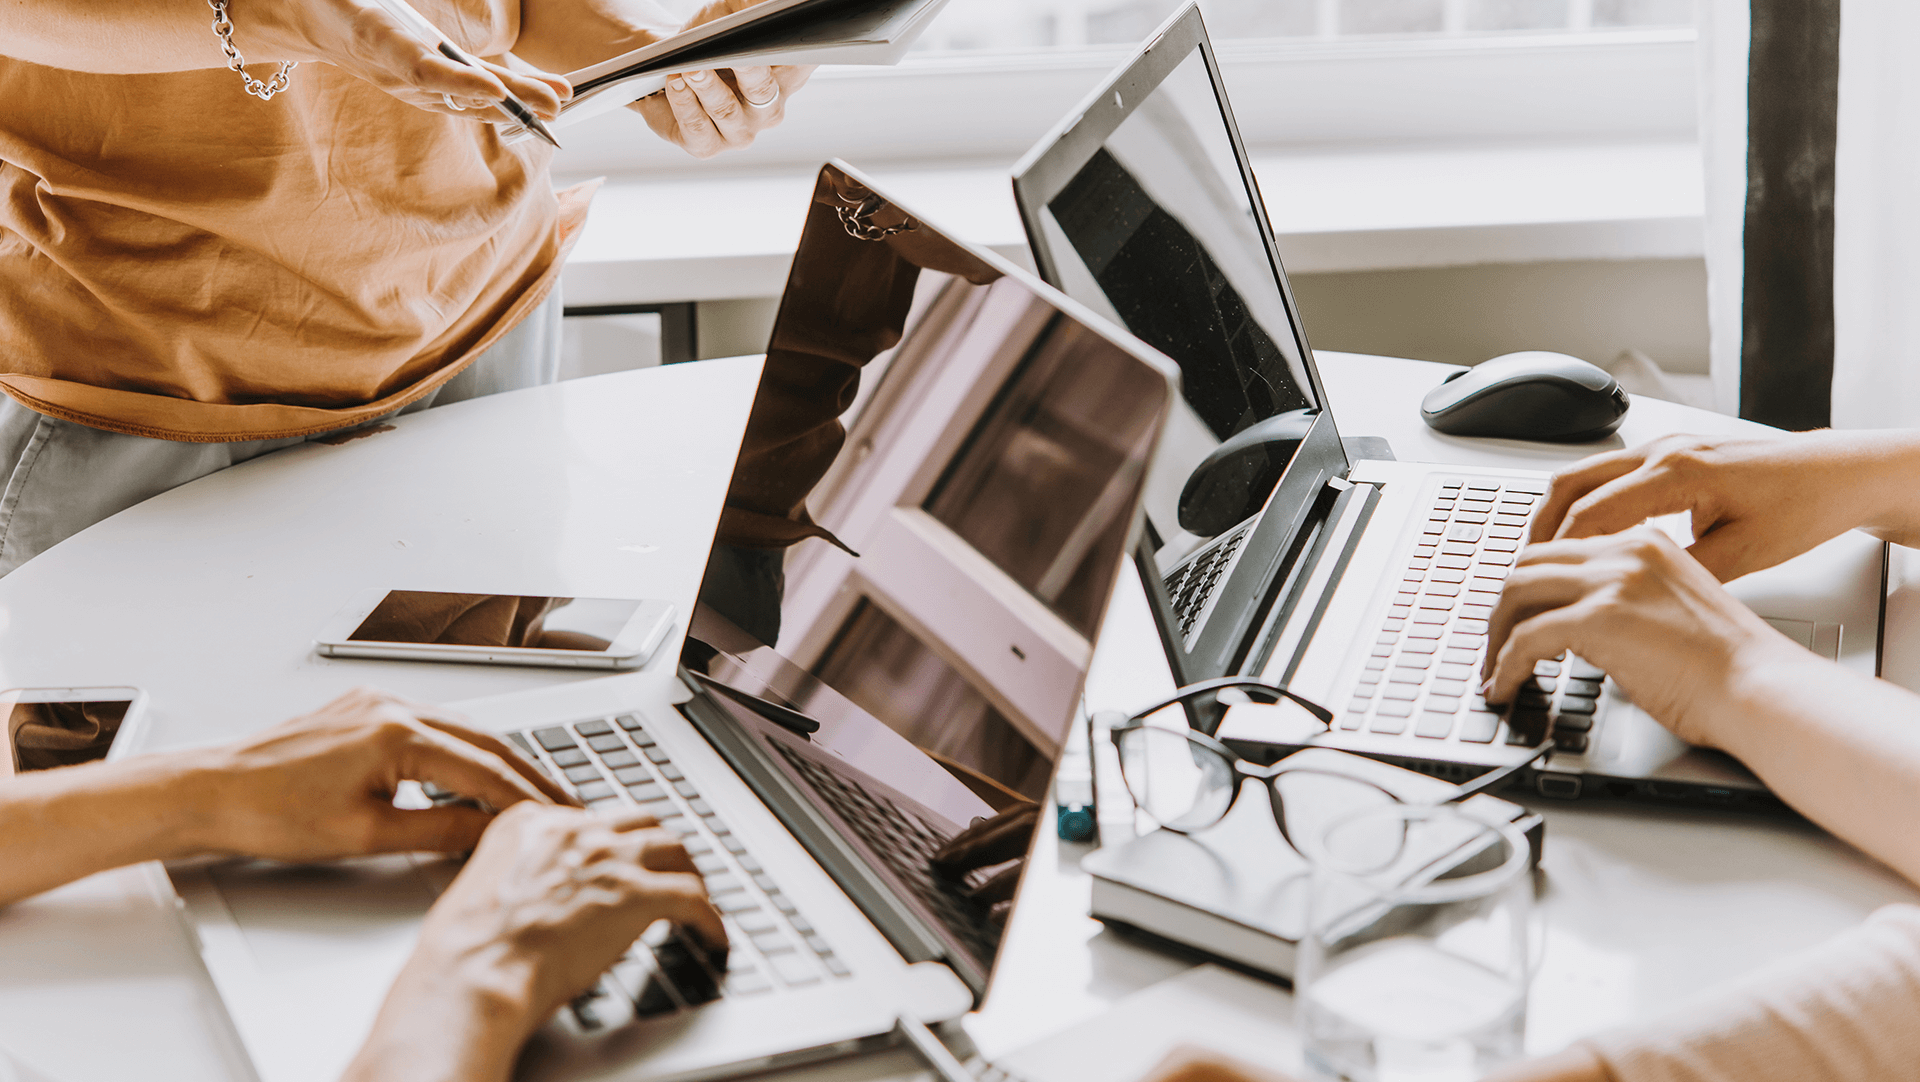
(871, 32)
(1236, 892)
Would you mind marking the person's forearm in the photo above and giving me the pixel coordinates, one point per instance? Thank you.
(60, 825)
(450, 1019)
(1885, 468)
(1843, 749)
(137, 37)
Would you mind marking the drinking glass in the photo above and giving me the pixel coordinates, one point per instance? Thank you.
(1414, 966)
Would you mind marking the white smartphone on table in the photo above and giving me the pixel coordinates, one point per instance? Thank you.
(498, 629)
(54, 727)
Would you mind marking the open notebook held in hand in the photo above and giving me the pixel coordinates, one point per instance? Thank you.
(871, 32)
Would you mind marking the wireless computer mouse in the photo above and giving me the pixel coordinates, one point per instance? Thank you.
(1528, 396)
(1235, 479)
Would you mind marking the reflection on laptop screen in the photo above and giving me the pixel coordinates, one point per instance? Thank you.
(1157, 231)
(926, 583)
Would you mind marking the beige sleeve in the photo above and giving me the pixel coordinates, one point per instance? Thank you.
(1848, 1010)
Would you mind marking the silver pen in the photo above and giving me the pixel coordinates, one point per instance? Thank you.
(433, 35)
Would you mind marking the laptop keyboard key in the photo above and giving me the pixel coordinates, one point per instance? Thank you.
(772, 943)
(593, 728)
(748, 984)
(1479, 727)
(608, 742)
(553, 739)
(1528, 727)
(689, 973)
(654, 1000)
(583, 773)
(594, 790)
(793, 970)
(1391, 724)
(756, 922)
(1434, 726)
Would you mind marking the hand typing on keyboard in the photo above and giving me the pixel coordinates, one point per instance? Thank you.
(551, 897)
(1640, 608)
(1754, 501)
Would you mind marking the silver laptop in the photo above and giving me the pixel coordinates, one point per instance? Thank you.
(1363, 583)
(990, 486)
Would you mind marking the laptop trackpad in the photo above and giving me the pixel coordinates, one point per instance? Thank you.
(297, 918)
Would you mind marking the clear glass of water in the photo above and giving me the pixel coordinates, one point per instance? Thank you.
(1414, 966)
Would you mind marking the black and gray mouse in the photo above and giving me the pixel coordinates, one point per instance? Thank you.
(1534, 395)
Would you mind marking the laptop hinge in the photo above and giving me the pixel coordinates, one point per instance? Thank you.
(1291, 623)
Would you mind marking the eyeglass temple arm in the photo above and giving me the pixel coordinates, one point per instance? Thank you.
(1493, 779)
(1256, 689)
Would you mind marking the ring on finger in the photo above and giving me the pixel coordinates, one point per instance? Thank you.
(768, 104)
(451, 104)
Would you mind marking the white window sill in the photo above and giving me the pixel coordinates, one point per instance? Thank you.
(720, 236)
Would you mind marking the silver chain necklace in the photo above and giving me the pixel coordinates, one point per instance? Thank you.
(223, 27)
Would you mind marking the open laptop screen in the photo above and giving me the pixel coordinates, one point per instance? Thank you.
(920, 541)
(1156, 228)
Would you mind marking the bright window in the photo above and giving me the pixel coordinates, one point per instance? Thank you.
(1002, 25)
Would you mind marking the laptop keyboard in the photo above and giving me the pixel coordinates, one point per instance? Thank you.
(1422, 680)
(614, 762)
(906, 843)
(1192, 585)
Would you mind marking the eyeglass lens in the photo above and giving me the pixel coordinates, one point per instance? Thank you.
(1328, 817)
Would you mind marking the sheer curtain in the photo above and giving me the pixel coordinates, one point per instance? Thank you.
(1724, 29)
(1876, 273)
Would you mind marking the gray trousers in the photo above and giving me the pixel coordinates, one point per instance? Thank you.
(63, 477)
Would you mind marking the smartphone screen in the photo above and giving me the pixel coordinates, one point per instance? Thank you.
(46, 735)
(584, 624)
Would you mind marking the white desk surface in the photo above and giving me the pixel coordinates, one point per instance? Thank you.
(207, 596)
(715, 234)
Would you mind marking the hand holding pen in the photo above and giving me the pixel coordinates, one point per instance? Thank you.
(433, 37)
(365, 40)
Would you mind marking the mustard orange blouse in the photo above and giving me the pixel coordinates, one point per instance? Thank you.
(180, 260)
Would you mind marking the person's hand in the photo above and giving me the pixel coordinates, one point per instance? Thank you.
(998, 840)
(1754, 501)
(1644, 610)
(706, 112)
(322, 786)
(549, 900)
(1188, 1063)
(361, 39)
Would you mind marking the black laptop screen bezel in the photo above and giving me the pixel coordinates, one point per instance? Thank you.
(1226, 643)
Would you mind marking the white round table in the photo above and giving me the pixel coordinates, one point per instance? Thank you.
(208, 597)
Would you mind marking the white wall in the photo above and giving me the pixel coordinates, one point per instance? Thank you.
(1463, 315)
